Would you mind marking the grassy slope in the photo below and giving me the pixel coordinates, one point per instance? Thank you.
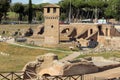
(19, 56)
(12, 14)
(104, 54)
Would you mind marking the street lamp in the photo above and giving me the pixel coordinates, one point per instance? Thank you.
(70, 13)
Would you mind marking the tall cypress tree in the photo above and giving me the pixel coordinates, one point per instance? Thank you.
(30, 12)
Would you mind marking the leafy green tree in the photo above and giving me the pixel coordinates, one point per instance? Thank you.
(4, 7)
(78, 6)
(109, 11)
(18, 8)
(117, 10)
(63, 17)
(97, 6)
(65, 7)
(113, 9)
(30, 12)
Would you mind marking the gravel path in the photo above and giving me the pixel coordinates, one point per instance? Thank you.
(71, 56)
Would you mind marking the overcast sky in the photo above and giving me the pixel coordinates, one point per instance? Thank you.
(36, 1)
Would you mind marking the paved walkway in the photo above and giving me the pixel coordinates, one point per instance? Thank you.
(71, 56)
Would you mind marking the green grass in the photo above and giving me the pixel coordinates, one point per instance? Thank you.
(19, 56)
(12, 15)
(103, 54)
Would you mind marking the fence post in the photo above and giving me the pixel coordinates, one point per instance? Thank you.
(12, 73)
(81, 77)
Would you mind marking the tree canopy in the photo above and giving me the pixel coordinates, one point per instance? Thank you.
(4, 7)
(76, 10)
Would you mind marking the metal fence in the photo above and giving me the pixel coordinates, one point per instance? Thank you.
(71, 77)
(33, 76)
(11, 75)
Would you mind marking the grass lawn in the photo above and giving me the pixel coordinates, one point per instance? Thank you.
(103, 54)
(19, 56)
(12, 15)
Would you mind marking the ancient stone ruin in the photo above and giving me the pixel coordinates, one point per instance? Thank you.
(49, 65)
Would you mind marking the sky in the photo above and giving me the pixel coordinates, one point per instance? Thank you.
(35, 1)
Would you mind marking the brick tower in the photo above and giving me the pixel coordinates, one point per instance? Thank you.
(51, 23)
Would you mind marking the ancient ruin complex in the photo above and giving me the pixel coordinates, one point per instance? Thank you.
(49, 65)
(51, 33)
(88, 34)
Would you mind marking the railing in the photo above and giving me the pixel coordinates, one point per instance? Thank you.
(11, 75)
(71, 77)
(33, 76)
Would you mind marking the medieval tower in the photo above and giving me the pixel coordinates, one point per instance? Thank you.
(51, 23)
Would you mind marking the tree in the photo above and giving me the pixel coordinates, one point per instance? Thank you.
(113, 9)
(4, 7)
(109, 11)
(117, 10)
(62, 17)
(78, 5)
(18, 8)
(97, 5)
(30, 12)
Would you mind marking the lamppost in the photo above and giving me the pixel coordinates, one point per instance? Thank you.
(70, 13)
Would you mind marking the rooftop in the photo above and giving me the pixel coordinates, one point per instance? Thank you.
(52, 6)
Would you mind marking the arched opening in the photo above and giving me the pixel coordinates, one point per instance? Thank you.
(91, 31)
(41, 31)
(46, 75)
(29, 32)
(100, 30)
(65, 30)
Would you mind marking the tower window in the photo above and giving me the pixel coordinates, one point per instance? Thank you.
(48, 10)
(52, 26)
(54, 10)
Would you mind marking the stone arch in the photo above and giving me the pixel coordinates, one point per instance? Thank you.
(46, 74)
(65, 30)
(91, 31)
(100, 30)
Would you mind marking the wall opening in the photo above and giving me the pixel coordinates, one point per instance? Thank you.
(48, 10)
(52, 26)
(54, 10)
(65, 30)
(91, 31)
(106, 31)
(100, 30)
(46, 75)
